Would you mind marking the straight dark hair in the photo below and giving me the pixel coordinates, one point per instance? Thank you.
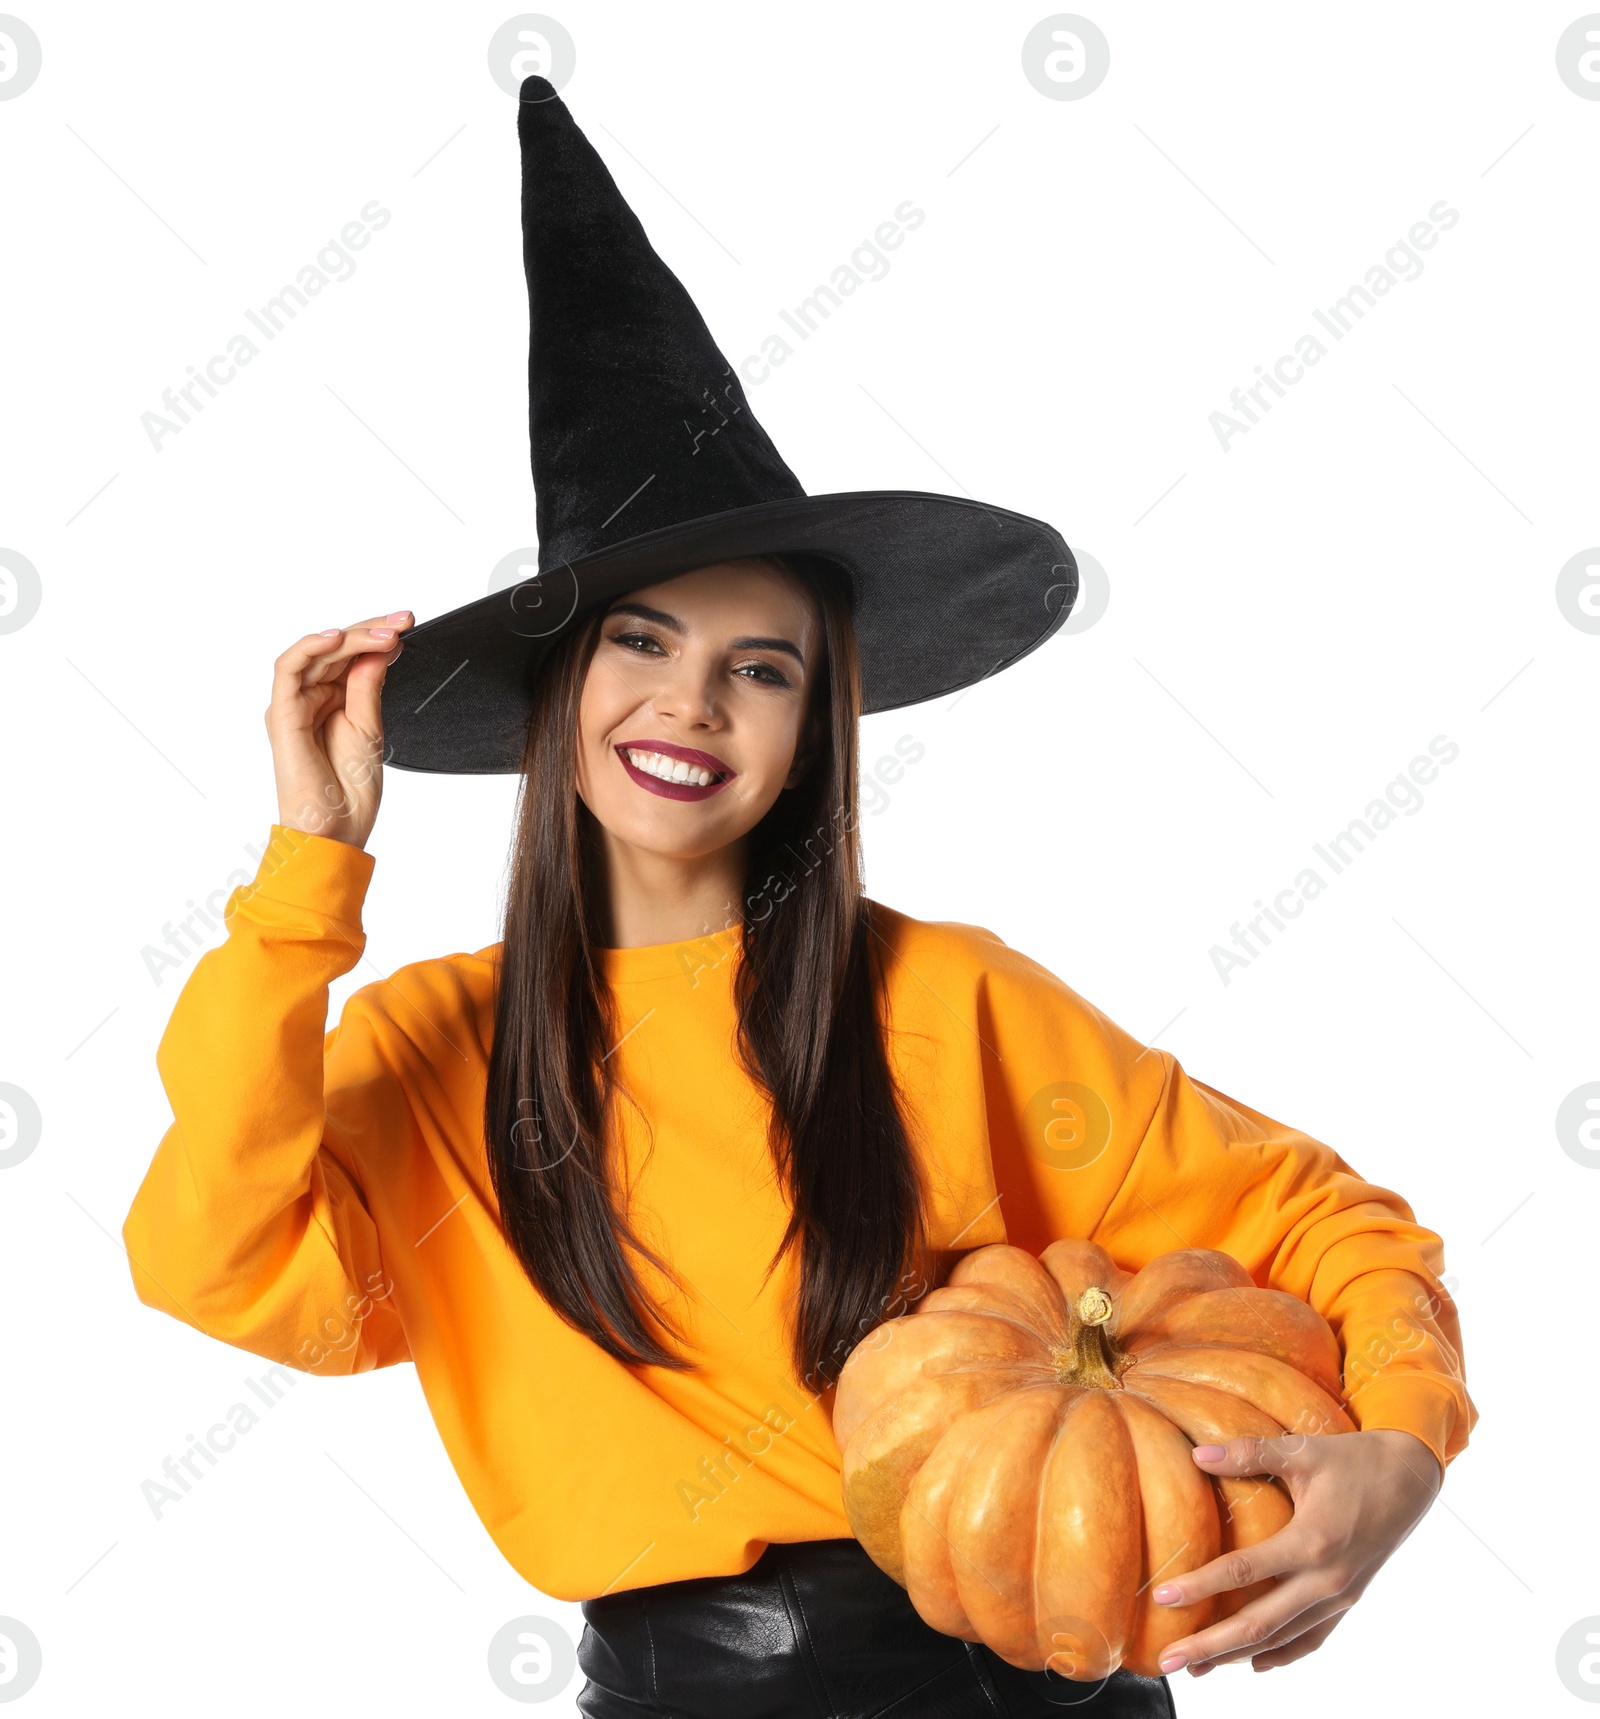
(809, 992)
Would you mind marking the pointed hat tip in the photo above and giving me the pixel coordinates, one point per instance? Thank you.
(536, 90)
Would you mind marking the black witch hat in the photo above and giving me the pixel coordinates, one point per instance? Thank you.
(647, 461)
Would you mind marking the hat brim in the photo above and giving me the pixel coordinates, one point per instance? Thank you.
(946, 592)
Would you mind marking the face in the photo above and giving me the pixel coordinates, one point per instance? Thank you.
(693, 717)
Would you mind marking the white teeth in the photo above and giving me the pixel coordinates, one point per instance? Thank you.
(671, 769)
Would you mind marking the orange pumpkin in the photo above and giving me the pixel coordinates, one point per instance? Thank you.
(1016, 1451)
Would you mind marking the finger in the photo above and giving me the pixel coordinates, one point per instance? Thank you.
(320, 657)
(1313, 1617)
(335, 645)
(1300, 1646)
(1253, 1455)
(292, 664)
(363, 702)
(290, 711)
(1279, 1554)
(1250, 1627)
(378, 633)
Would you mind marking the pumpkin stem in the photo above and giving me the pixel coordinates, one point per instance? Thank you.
(1092, 1359)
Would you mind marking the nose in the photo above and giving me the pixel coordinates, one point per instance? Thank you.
(686, 697)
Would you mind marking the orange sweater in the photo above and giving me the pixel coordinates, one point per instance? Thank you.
(324, 1200)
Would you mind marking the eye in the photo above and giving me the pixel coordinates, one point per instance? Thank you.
(645, 644)
(763, 673)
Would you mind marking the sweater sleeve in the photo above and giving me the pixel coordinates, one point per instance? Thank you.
(1301, 1219)
(1093, 1134)
(251, 1223)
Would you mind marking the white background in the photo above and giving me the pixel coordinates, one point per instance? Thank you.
(1290, 622)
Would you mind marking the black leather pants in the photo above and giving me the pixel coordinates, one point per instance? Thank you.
(815, 1631)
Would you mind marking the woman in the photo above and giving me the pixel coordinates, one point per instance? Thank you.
(628, 1185)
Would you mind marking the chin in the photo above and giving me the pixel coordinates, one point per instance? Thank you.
(680, 836)
(671, 842)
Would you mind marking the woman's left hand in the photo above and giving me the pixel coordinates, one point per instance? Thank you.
(1356, 1497)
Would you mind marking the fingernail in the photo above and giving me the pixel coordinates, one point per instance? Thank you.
(330, 632)
(1173, 1662)
(1209, 1452)
(1165, 1594)
(382, 632)
(398, 615)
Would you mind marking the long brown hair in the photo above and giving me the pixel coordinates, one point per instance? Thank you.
(808, 988)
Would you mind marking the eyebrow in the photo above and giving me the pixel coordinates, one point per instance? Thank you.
(644, 612)
(786, 645)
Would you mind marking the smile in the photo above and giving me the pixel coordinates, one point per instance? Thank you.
(674, 772)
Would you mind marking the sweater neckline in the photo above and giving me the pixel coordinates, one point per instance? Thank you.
(690, 960)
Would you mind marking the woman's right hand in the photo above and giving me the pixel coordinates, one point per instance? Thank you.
(326, 727)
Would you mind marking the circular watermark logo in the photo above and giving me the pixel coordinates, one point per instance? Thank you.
(1578, 1659)
(1578, 57)
(1578, 1125)
(1066, 57)
(1078, 1650)
(20, 57)
(20, 1125)
(20, 1659)
(1066, 1125)
(532, 1659)
(542, 603)
(1094, 594)
(20, 590)
(1578, 590)
(531, 46)
(512, 569)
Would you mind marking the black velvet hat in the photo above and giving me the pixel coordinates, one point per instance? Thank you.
(647, 461)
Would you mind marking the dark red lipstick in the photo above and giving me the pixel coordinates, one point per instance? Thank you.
(721, 774)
